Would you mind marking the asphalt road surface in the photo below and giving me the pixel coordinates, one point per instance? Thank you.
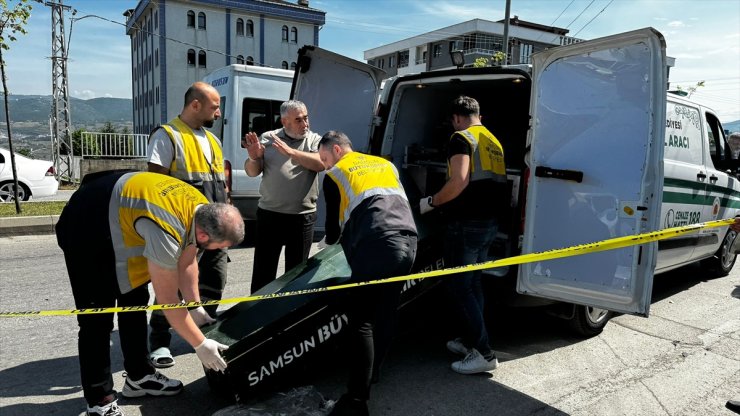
(683, 360)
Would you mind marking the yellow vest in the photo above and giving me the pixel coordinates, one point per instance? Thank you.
(360, 176)
(189, 163)
(487, 158)
(167, 201)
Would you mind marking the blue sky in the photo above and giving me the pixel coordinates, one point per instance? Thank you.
(703, 36)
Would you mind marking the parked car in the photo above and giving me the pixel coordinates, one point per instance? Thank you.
(35, 177)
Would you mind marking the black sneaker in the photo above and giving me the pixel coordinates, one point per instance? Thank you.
(347, 406)
(110, 409)
(156, 384)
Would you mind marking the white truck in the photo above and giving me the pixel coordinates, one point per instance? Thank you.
(250, 101)
(585, 131)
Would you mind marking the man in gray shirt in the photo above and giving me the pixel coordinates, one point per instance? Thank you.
(288, 160)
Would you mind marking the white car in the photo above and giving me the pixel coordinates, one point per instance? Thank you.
(35, 177)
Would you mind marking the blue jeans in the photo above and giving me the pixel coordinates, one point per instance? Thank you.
(467, 242)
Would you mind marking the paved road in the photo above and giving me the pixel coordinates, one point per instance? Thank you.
(61, 195)
(683, 360)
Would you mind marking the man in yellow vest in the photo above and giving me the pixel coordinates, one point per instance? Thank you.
(368, 212)
(119, 231)
(472, 199)
(184, 149)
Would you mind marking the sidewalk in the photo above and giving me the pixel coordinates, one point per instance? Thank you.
(14, 226)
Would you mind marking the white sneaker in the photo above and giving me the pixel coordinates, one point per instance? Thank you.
(474, 363)
(457, 347)
(156, 384)
(110, 409)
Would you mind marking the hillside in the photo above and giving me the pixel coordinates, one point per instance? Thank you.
(36, 109)
(732, 126)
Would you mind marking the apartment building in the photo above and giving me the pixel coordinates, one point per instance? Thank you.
(177, 42)
(476, 38)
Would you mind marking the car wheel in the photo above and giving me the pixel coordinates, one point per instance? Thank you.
(588, 321)
(7, 194)
(721, 263)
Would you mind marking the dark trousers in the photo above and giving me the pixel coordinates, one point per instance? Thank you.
(275, 230)
(83, 235)
(467, 242)
(212, 267)
(373, 309)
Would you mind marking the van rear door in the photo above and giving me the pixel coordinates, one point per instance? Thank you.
(340, 93)
(598, 111)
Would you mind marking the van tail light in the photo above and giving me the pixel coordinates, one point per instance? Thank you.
(227, 174)
(50, 171)
(523, 200)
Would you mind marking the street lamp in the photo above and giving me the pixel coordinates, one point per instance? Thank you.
(458, 58)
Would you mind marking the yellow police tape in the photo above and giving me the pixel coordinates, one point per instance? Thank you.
(610, 244)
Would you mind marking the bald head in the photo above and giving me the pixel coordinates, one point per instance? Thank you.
(202, 106)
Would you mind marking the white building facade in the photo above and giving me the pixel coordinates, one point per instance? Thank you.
(177, 42)
(476, 38)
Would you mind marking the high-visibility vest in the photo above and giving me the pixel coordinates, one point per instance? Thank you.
(190, 164)
(487, 154)
(359, 176)
(167, 201)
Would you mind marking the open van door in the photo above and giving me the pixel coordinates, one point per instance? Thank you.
(340, 93)
(596, 163)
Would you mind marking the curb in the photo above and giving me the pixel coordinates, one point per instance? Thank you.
(15, 226)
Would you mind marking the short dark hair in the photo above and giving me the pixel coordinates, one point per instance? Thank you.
(465, 106)
(332, 137)
(195, 92)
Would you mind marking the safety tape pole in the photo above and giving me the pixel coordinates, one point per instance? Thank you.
(610, 244)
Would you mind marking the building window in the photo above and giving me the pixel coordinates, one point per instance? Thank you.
(437, 51)
(157, 95)
(284, 65)
(285, 34)
(202, 59)
(391, 61)
(156, 58)
(292, 66)
(156, 20)
(202, 21)
(240, 59)
(250, 60)
(250, 28)
(403, 59)
(191, 18)
(294, 35)
(191, 57)
(239, 27)
(382, 63)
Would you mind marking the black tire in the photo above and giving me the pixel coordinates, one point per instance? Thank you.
(721, 263)
(588, 321)
(7, 194)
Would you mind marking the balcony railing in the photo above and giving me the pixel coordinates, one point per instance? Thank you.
(113, 145)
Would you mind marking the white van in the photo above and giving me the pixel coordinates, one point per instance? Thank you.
(250, 101)
(583, 134)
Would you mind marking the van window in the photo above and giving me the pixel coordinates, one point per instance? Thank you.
(716, 139)
(260, 116)
(218, 125)
(683, 134)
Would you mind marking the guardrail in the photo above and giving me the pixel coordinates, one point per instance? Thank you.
(113, 145)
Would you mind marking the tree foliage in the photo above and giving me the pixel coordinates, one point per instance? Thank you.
(498, 58)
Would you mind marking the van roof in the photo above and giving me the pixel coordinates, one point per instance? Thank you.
(251, 69)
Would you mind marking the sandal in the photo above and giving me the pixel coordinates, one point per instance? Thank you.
(161, 358)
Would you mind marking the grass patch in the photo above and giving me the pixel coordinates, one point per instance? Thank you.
(30, 209)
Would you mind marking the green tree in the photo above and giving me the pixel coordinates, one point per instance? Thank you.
(24, 151)
(497, 59)
(13, 21)
(690, 90)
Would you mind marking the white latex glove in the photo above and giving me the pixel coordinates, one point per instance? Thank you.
(208, 353)
(201, 317)
(425, 205)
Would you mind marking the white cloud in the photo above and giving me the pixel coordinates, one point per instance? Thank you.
(84, 94)
(676, 23)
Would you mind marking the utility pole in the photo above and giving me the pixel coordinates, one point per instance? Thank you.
(60, 117)
(506, 31)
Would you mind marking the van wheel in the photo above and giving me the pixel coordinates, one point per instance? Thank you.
(588, 321)
(721, 263)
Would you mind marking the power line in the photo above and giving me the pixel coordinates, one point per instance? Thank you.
(592, 19)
